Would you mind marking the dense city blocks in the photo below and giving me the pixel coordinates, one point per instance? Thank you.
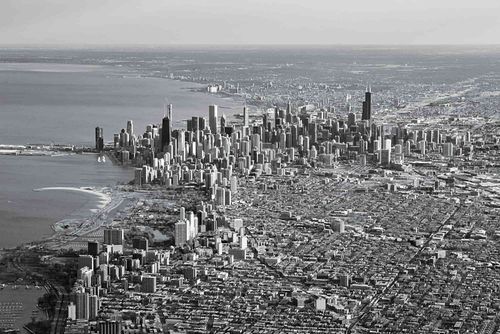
(301, 221)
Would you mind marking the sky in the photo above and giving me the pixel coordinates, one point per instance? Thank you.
(217, 22)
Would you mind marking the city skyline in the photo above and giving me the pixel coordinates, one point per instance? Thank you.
(189, 166)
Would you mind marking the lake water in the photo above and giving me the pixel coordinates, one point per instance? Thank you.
(64, 103)
(61, 103)
(27, 215)
(18, 306)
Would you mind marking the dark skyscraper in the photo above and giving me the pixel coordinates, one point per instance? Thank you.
(245, 116)
(93, 248)
(202, 123)
(367, 105)
(166, 129)
(166, 132)
(99, 140)
(195, 123)
(212, 118)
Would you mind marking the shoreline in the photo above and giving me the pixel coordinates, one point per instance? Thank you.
(80, 225)
(106, 200)
(95, 189)
(16, 150)
(86, 190)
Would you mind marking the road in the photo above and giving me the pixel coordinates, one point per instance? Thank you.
(365, 309)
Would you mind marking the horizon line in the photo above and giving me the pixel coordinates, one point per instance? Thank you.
(234, 45)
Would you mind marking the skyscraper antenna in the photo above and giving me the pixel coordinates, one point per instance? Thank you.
(165, 103)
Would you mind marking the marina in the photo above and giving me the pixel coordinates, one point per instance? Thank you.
(18, 306)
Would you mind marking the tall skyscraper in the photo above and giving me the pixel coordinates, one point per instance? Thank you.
(130, 128)
(166, 132)
(245, 117)
(170, 110)
(93, 248)
(181, 141)
(202, 123)
(212, 118)
(195, 124)
(99, 139)
(367, 105)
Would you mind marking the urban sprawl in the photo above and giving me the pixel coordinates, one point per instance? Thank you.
(304, 222)
(294, 220)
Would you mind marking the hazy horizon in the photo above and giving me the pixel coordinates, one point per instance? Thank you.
(230, 46)
(257, 22)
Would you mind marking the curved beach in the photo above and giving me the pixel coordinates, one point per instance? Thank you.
(104, 199)
(70, 228)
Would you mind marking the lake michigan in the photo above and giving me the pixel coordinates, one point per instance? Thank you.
(62, 104)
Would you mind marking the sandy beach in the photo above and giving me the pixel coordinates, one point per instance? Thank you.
(104, 199)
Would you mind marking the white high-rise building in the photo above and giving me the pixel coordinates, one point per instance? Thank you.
(181, 233)
(130, 128)
(181, 141)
